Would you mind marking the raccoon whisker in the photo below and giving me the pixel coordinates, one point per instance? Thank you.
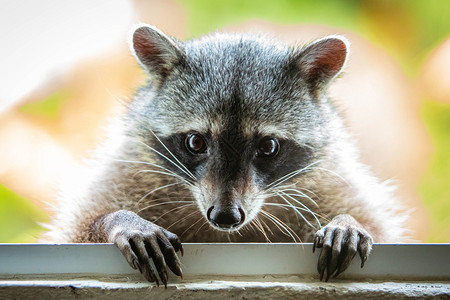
(170, 152)
(287, 206)
(193, 224)
(250, 226)
(51, 205)
(165, 198)
(296, 210)
(276, 225)
(180, 165)
(165, 173)
(146, 163)
(256, 229)
(273, 190)
(334, 173)
(305, 189)
(301, 194)
(308, 209)
(171, 161)
(284, 178)
(205, 222)
(157, 189)
(258, 225)
(172, 210)
(182, 219)
(308, 146)
(283, 206)
(158, 166)
(290, 175)
(265, 224)
(271, 195)
(286, 186)
(282, 194)
(279, 224)
(283, 225)
(165, 203)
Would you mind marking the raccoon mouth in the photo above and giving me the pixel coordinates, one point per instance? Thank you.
(230, 219)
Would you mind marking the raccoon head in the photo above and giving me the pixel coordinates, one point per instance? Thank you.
(236, 115)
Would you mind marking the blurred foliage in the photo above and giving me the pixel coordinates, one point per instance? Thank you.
(435, 184)
(48, 108)
(19, 216)
(206, 16)
(408, 30)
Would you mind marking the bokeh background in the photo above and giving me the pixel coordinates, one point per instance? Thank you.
(65, 70)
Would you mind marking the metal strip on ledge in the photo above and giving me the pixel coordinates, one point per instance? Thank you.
(387, 261)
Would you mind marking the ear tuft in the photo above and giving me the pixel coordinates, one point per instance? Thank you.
(323, 60)
(155, 51)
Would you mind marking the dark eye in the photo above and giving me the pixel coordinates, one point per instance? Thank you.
(195, 143)
(268, 147)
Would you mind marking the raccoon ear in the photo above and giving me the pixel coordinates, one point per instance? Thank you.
(155, 51)
(323, 60)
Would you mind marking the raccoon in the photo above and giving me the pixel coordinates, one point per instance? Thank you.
(232, 139)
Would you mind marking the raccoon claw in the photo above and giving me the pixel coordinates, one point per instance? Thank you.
(140, 240)
(318, 241)
(340, 241)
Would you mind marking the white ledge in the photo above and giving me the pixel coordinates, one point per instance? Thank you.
(388, 261)
(240, 270)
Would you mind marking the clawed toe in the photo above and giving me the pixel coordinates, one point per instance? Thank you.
(339, 246)
(141, 241)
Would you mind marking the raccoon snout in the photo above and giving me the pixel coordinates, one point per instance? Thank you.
(226, 218)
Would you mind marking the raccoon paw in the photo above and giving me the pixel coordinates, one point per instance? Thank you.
(340, 240)
(140, 240)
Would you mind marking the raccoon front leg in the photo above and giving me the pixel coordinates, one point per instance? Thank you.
(340, 240)
(139, 241)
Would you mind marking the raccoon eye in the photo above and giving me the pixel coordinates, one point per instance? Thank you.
(268, 147)
(195, 143)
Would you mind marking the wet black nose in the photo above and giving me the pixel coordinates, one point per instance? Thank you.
(226, 218)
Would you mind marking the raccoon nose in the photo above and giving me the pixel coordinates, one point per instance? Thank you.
(226, 218)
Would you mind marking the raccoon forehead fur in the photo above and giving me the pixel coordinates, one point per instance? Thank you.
(247, 81)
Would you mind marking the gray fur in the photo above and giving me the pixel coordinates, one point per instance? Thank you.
(234, 89)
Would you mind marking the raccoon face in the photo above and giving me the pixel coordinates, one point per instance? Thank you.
(239, 114)
(232, 175)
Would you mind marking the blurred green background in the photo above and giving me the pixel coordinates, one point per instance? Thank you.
(407, 30)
